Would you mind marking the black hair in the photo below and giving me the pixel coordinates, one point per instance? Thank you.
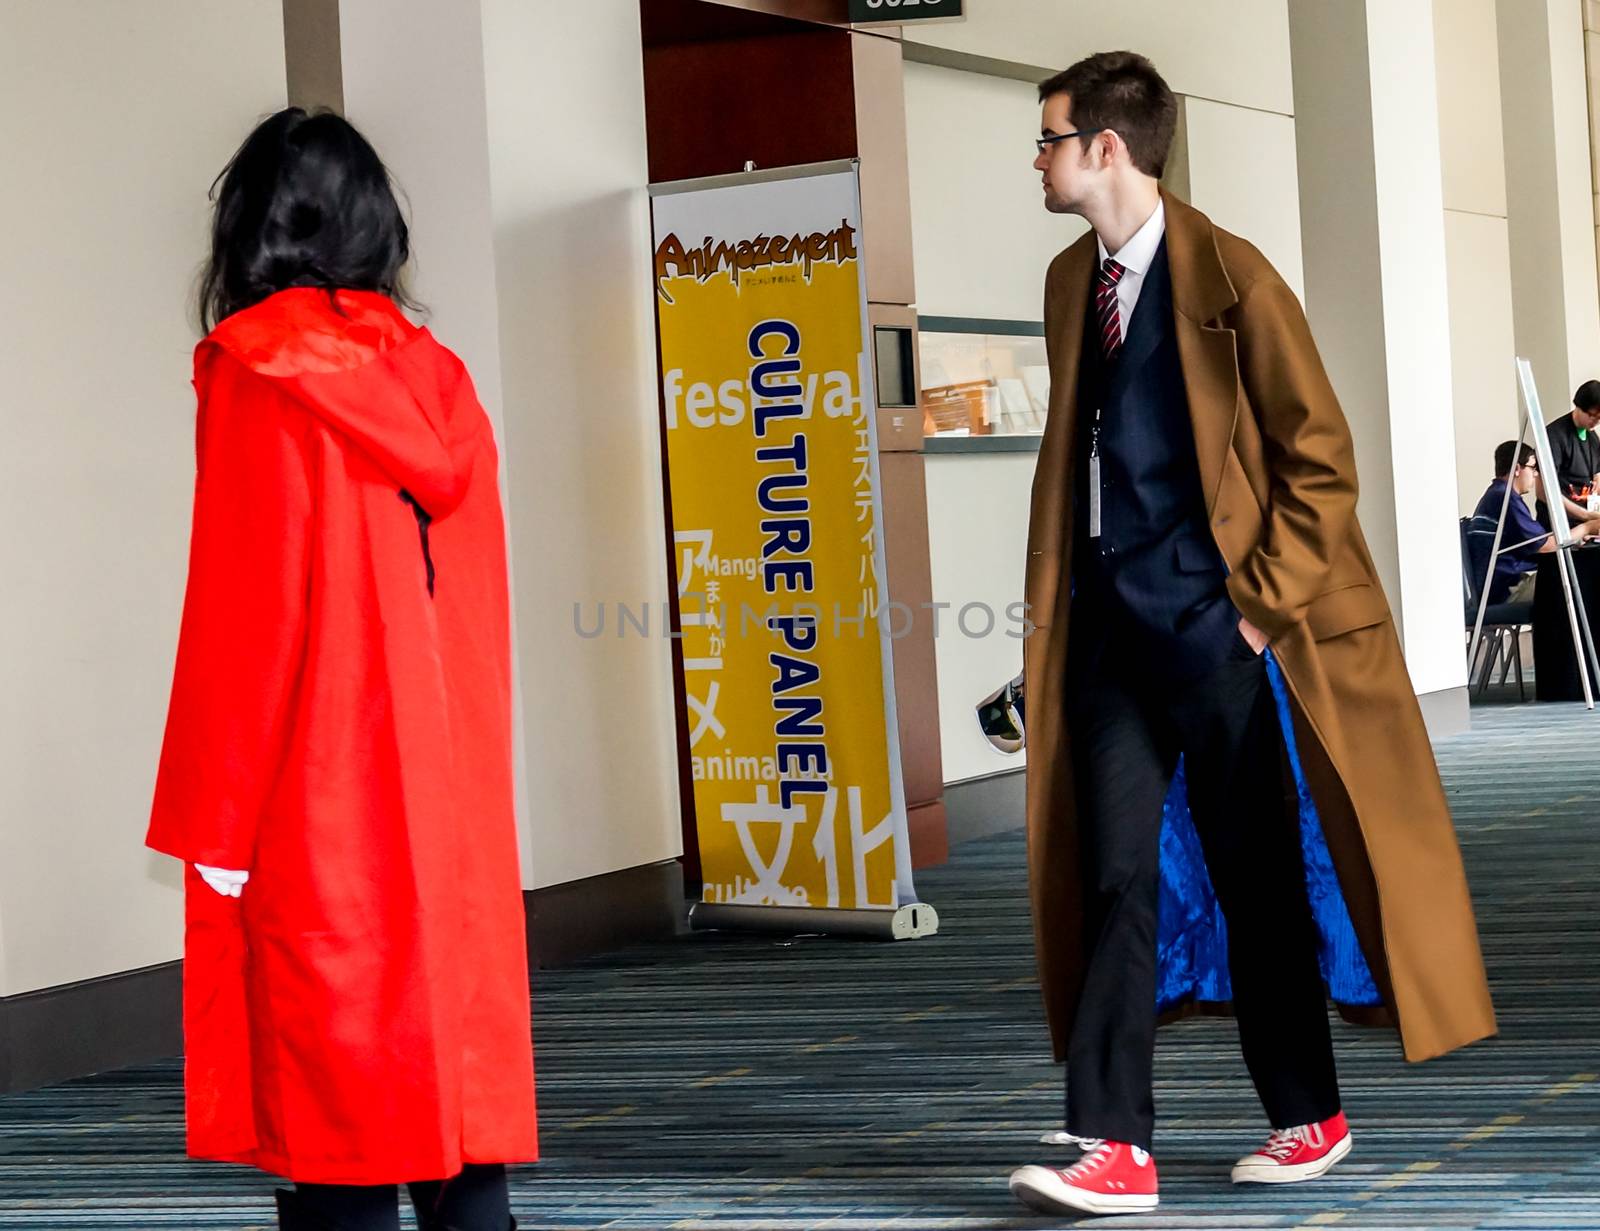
(1504, 454)
(1587, 398)
(1122, 91)
(305, 201)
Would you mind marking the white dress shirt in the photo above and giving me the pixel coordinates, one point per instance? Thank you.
(1135, 257)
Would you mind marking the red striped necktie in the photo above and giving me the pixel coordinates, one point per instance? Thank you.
(1105, 306)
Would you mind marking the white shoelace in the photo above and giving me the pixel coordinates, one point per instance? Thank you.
(1096, 1155)
(1285, 1141)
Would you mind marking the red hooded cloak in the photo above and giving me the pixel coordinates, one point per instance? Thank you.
(340, 727)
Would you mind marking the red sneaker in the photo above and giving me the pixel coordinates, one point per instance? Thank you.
(1111, 1178)
(1295, 1154)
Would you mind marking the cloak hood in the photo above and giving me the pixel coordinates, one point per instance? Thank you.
(355, 362)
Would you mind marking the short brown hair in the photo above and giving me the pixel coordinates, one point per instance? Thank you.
(1122, 91)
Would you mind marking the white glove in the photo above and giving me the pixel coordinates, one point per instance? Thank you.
(226, 881)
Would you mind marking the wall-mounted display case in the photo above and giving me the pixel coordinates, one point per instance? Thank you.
(982, 377)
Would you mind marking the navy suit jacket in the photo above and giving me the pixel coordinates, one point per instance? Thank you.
(1154, 567)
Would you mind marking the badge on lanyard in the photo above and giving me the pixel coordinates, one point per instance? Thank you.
(1094, 477)
(1094, 497)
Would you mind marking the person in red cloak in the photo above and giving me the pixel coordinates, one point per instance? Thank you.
(337, 771)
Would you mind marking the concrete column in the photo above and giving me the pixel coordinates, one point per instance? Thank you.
(1477, 238)
(1550, 194)
(410, 75)
(572, 245)
(97, 481)
(1368, 154)
(1591, 56)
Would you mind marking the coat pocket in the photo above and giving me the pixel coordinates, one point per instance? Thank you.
(1346, 609)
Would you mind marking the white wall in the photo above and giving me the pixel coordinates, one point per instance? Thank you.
(981, 238)
(1367, 117)
(1544, 92)
(1468, 69)
(118, 118)
(1242, 175)
(1482, 352)
(1575, 193)
(1591, 47)
(1232, 51)
(1477, 239)
(413, 82)
(131, 114)
(1417, 318)
(571, 235)
(982, 241)
(1390, 311)
(977, 518)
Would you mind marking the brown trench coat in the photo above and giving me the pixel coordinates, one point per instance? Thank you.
(1278, 472)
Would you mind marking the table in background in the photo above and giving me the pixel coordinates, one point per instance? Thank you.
(1555, 668)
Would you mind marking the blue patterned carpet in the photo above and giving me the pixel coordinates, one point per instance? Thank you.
(735, 1082)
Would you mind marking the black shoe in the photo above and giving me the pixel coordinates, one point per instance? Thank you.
(295, 1215)
(298, 1213)
(475, 1200)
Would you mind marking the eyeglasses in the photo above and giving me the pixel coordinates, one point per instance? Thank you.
(1044, 143)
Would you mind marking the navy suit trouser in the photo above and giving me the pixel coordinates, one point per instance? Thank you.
(1128, 727)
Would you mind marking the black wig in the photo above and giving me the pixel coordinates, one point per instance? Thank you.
(306, 201)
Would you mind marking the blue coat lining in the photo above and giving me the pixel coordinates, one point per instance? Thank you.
(1192, 936)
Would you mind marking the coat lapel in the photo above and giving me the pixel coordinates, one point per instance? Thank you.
(1051, 527)
(1072, 294)
(1201, 292)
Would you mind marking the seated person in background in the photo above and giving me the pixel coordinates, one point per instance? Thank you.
(1575, 451)
(1524, 540)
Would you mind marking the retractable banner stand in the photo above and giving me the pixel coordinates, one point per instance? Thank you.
(778, 554)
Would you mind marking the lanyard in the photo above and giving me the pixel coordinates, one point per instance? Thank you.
(1094, 476)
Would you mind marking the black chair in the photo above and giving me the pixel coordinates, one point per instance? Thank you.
(1500, 642)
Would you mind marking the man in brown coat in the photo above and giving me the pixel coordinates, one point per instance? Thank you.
(1194, 507)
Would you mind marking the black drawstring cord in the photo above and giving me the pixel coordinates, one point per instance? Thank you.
(424, 520)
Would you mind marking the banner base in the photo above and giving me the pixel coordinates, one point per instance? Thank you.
(909, 922)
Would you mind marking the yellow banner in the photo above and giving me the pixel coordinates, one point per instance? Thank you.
(778, 554)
